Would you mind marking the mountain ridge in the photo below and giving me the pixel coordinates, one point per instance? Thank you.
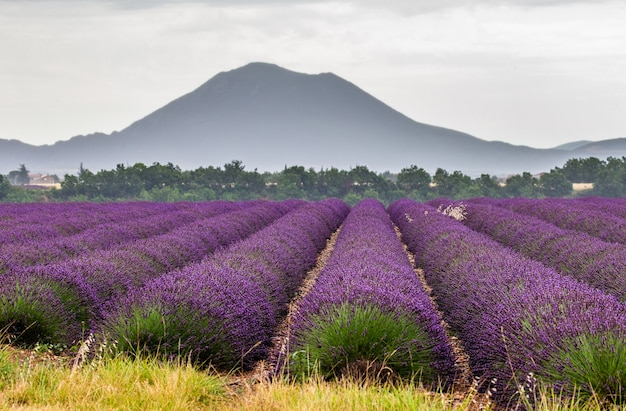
(269, 117)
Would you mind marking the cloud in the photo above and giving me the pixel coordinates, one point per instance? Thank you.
(453, 63)
(389, 4)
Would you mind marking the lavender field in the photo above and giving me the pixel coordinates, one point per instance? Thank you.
(513, 293)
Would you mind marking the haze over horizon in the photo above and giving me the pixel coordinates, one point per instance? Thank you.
(536, 73)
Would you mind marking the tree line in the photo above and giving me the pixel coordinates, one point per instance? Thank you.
(167, 182)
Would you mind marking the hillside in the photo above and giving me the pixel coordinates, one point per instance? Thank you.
(269, 117)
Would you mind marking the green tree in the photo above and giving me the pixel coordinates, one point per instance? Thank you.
(158, 175)
(289, 186)
(361, 180)
(69, 187)
(20, 176)
(524, 185)
(205, 177)
(555, 184)
(332, 182)
(414, 181)
(300, 178)
(231, 174)
(488, 186)
(5, 186)
(455, 185)
(611, 181)
(250, 184)
(583, 170)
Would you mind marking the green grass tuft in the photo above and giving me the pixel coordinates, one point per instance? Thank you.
(148, 331)
(356, 340)
(28, 321)
(594, 365)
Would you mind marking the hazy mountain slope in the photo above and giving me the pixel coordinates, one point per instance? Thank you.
(573, 145)
(614, 147)
(269, 117)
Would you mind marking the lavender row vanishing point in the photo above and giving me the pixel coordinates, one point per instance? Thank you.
(369, 310)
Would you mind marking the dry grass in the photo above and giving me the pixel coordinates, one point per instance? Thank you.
(42, 381)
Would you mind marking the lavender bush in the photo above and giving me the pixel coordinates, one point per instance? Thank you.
(47, 250)
(613, 206)
(38, 221)
(88, 284)
(571, 253)
(569, 215)
(368, 307)
(35, 310)
(516, 317)
(224, 310)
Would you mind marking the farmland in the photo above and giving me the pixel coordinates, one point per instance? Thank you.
(499, 298)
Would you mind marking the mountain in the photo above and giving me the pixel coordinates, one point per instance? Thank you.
(614, 147)
(270, 117)
(573, 145)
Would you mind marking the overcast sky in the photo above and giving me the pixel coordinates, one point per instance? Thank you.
(532, 72)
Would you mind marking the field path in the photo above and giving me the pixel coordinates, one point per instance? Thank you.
(264, 370)
(463, 378)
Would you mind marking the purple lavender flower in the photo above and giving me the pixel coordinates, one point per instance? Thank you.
(368, 305)
(571, 253)
(224, 310)
(92, 282)
(515, 316)
(570, 215)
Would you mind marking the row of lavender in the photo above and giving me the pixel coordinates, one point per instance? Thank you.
(173, 294)
(35, 222)
(518, 319)
(574, 253)
(118, 229)
(225, 309)
(614, 206)
(600, 217)
(60, 302)
(368, 309)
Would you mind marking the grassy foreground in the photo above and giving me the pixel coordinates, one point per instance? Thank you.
(38, 380)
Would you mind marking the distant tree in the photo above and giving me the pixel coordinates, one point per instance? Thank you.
(250, 184)
(555, 184)
(18, 194)
(232, 172)
(205, 177)
(524, 185)
(158, 175)
(163, 194)
(455, 185)
(361, 179)
(488, 186)
(333, 182)
(611, 181)
(302, 178)
(414, 181)
(5, 186)
(289, 186)
(69, 187)
(19, 177)
(609, 185)
(22, 176)
(583, 170)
